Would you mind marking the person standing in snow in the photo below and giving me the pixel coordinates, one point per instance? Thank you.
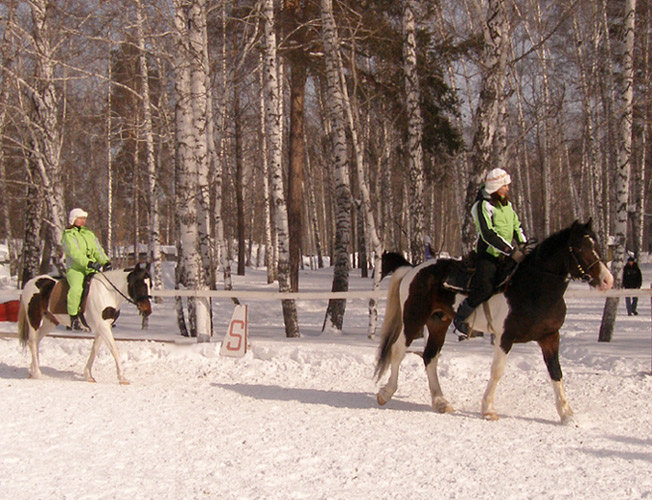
(632, 279)
(84, 256)
(498, 226)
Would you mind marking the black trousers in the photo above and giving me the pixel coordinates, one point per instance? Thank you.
(490, 271)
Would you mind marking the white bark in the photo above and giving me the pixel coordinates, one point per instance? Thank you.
(415, 128)
(625, 54)
(335, 311)
(154, 233)
(273, 120)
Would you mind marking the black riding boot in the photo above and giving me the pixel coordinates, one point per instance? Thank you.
(75, 323)
(463, 312)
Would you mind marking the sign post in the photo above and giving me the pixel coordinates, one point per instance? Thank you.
(235, 341)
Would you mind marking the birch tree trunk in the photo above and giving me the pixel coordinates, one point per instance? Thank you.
(46, 133)
(487, 115)
(273, 120)
(625, 106)
(190, 125)
(415, 130)
(269, 253)
(154, 232)
(366, 208)
(223, 255)
(336, 307)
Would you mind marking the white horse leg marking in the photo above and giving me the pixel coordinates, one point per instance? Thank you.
(497, 371)
(88, 375)
(34, 339)
(110, 341)
(439, 403)
(34, 370)
(398, 353)
(563, 408)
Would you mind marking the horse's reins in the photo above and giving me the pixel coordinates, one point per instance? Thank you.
(128, 299)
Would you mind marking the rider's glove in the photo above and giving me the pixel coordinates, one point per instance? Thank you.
(517, 256)
(95, 266)
(107, 267)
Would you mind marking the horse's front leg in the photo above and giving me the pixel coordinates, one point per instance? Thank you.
(497, 371)
(550, 349)
(436, 335)
(397, 354)
(104, 331)
(88, 375)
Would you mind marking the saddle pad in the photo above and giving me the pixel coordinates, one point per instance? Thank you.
(57, 304)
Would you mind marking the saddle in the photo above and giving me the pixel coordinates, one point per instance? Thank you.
(59, 295)
(461, 271)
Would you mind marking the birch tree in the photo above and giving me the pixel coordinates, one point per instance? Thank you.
(625, 54)
(154, 234)
(336, 307)
(191, 154)
(273, 122)
(46, 129)
(415, 127)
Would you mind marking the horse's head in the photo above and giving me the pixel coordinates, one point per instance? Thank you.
(138, 285)
(585, 261)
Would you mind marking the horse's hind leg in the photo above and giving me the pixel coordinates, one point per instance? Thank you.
(33, 341)
(550, 349)
(397, 354)
(497, 371)
(436, 335)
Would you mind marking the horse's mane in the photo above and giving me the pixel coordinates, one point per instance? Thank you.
(552, 243)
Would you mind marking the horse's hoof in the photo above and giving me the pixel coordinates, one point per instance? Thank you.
(124, 381)
(568, 420)
(443, 407)
(381, 400)
(90, 380)
(492, 415)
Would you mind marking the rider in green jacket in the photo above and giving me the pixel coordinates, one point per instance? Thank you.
(84, 256)
(498, 227)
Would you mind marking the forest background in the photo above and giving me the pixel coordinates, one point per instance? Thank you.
(317, 128)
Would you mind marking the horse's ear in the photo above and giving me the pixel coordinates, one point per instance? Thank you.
(589, 223)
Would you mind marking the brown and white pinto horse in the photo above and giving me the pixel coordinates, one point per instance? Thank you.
(43, 306)
(532, 307)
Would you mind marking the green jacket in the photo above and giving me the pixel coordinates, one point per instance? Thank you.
(81, 247)
(497, 226)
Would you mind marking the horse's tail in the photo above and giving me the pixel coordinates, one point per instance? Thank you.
(23, 327)
(393, 321)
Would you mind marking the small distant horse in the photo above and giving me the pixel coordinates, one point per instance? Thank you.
(43, 307)
(531, 307)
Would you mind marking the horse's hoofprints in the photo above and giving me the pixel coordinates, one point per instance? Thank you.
(532, 307)
(43, 306)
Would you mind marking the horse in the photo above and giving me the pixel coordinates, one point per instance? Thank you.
(43, 307)
(531, 308)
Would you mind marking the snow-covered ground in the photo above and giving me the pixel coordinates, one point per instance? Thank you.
(298, 418)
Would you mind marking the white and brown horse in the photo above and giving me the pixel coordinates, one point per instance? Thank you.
(531, 308)
(43, 307)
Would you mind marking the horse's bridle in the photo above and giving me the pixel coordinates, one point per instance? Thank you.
(134, 301)
(584, 273)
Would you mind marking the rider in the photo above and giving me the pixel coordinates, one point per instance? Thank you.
(84, 256)
(497, 225)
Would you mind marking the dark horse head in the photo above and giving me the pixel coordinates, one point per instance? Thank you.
(574, 252)
(138, 285)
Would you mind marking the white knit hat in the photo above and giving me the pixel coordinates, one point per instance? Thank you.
(496, 179)
(74, 214)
